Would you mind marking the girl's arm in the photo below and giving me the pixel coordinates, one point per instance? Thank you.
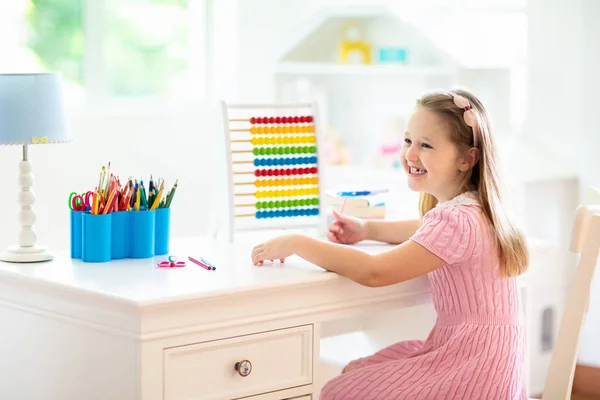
(391, 231)
(406, 261)
(449, 236)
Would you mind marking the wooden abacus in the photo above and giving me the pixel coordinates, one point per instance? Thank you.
(273, 166)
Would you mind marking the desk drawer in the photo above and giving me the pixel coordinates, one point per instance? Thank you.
(277, 360)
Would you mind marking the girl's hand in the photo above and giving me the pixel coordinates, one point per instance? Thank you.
(346, 230)
(278, 248)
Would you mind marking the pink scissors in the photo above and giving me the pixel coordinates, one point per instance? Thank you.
(172, 263)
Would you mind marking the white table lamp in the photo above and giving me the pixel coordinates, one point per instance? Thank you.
(31, 113)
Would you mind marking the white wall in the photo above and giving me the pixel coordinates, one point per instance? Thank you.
(555, 85)
(588, 149)
(184, 145)
(260, 46)
(563, 61)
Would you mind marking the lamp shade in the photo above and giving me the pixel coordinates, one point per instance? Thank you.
(32, 109)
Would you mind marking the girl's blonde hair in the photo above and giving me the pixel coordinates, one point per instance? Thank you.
(483, 178)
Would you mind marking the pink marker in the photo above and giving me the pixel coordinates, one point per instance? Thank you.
(343, 205)
(342, 211)
(201, 264)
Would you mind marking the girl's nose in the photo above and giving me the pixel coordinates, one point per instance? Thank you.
(411, 154)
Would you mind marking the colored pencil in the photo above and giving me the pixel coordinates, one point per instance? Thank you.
(206, 267)
(171, 194)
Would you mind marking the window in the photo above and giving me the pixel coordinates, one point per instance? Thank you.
(109, 50)
(56, 36)
(146, 48)
(56, 39)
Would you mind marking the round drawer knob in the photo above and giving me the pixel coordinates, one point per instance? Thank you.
(243, 367)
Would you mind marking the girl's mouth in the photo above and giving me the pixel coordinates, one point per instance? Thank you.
(416, 171)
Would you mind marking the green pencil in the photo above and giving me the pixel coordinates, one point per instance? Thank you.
(171, 194)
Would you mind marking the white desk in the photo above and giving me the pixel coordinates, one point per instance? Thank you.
(128, 330)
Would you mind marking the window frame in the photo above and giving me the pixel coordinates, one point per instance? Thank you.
(98, 101)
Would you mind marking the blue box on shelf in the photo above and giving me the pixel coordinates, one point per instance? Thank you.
(392, 55)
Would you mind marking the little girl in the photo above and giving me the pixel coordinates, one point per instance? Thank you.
(466, 245)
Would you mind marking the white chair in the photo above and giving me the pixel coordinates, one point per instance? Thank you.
(585, 240)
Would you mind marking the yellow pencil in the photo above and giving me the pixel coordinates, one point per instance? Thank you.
(157, 200)
(137, 200)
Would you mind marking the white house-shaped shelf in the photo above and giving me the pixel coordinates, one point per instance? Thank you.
(316, 48)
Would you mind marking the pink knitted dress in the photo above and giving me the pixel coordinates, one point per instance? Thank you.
(476, 347)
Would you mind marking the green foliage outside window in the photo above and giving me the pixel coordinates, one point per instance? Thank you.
(56, 36)
(144, 44)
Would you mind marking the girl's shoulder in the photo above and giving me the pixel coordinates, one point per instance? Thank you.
(452, 228)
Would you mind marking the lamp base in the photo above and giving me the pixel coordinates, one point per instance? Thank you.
(18, 254)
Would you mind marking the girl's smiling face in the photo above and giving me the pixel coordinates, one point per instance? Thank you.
(431, 160)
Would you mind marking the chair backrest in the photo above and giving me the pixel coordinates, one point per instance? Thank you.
(586, 241)
(273, 167)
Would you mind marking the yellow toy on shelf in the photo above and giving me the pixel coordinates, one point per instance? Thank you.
(353, 44)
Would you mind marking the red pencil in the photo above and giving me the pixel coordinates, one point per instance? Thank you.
(201, 264)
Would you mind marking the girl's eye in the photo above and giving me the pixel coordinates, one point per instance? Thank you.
(407, 141)
(426, 146)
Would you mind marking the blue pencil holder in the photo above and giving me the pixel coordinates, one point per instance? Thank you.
(120, 234)
(163, 228)
(142, 229)
(76, 233)
(96, 233)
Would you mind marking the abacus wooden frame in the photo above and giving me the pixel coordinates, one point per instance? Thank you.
(313, 107)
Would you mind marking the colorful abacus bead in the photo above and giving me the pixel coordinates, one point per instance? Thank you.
(284, 150)
(263, 194)
(298, 212)
(282, 119)
(287, 171)
(269, 162)
(284, 181)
